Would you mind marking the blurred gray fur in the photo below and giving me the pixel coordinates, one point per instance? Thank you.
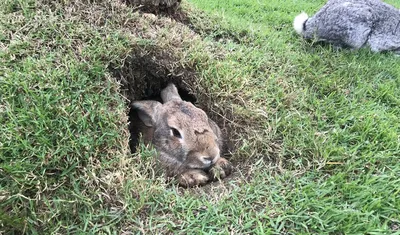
(354, 24)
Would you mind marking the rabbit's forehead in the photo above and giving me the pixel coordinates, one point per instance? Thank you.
(184, 114)
(184, 109)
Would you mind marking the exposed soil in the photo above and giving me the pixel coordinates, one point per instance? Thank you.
(173, 10)
(166, 7)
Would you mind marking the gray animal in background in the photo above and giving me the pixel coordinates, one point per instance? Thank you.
(188, 142)
(354, 24)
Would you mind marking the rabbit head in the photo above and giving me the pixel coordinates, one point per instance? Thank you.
(182, 134)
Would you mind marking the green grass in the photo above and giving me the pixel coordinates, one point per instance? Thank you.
(317, 129)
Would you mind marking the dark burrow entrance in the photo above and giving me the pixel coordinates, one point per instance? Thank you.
(144, 75)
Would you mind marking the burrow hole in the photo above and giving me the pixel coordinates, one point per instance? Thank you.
(143, 76)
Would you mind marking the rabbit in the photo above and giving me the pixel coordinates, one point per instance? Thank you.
(187, 141)
(353, 24)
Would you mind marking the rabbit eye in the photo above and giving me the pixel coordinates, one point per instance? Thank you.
(176, 133)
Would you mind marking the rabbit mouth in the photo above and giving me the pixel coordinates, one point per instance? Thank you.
(202, 163)
(204, 167)
(207, 168)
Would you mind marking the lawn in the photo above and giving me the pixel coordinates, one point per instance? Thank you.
(315, 129)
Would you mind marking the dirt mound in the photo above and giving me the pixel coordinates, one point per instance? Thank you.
(155, 6)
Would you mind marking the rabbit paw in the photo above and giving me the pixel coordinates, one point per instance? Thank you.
(221, 169)
(192, 178)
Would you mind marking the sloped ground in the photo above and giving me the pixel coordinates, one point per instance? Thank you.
(68, 71)
(313, 132)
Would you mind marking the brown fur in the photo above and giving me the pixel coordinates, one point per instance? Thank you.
(188, 142)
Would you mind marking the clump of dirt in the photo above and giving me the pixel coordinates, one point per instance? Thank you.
(166, 8)
(199, 23)
(155, 6)
(145, 73)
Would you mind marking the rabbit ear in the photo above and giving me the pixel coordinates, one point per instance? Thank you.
(170, 93)
(146, 111)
